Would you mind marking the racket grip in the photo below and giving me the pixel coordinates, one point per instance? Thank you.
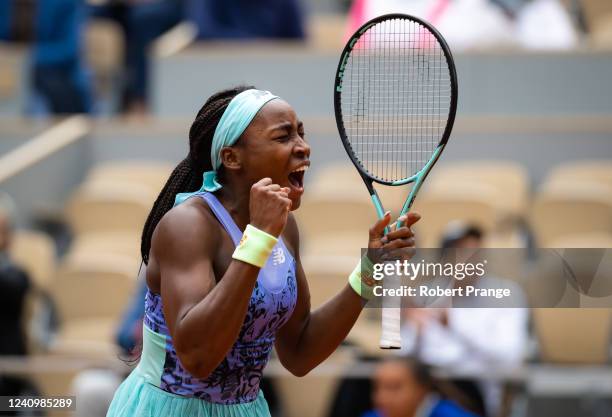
(390, 337)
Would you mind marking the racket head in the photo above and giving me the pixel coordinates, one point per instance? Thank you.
(395, 68)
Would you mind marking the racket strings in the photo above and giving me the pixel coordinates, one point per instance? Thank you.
(395, 99)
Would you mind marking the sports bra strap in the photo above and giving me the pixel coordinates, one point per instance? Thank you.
(224, 217)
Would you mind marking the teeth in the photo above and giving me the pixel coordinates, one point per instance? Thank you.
(301, 169)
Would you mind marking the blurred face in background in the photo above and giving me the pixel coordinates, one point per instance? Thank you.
(469, 242)
(396, 392)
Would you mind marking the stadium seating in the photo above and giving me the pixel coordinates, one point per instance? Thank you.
(567, 208)
(106, 206)
(573, 335)
(589, 171)
(151, 174)
(444, 202)
(508, 178)
(91, 290)
(310, 396)
(35, 252)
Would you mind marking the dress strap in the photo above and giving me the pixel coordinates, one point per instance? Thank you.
(223, 216)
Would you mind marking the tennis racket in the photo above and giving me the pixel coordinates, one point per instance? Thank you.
(395, 99)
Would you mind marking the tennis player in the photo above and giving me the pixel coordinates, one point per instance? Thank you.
(225, 283)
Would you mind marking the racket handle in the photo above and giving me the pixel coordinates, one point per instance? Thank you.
(390, 337)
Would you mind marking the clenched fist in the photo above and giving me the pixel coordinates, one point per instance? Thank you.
(269, 206)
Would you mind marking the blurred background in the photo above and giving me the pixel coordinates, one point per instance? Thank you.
(96, 100)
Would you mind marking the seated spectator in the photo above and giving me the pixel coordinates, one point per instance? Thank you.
(247, 19)
(129, 334)
(474, 340)
(54, 28)
(141, 22)
(468, 24)
(405, 388)
(14, 287)
(464, 24)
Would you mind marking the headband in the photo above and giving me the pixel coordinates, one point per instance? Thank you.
(234, 121)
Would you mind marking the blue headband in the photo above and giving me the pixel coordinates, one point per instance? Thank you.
(234, 121)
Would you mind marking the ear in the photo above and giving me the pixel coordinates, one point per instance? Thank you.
(231, 158)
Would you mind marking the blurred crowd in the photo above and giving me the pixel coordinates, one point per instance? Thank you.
(59, 77)
(61, 80)
(469, 24)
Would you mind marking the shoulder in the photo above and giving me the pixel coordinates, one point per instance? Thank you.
(446, 408)
(191, 222)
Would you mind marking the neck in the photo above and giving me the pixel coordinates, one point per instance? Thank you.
(235, 198)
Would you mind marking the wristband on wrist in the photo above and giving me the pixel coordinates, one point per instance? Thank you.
(255, 246)
(361, 280)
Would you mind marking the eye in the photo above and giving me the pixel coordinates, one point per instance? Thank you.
(283, 138)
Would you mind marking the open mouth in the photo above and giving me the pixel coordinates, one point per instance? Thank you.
(296, 177)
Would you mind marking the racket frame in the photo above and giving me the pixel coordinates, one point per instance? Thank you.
(419, 177)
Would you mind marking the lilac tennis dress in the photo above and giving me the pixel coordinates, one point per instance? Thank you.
(161, 386)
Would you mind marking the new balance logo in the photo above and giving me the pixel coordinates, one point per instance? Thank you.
(278, 256)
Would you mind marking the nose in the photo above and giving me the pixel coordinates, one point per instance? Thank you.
(301, 149)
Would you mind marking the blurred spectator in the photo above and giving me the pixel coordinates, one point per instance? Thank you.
(464, 23)
(405, 388)
(533, 24)
(16, 22)
(58, 77)
(129, 335)
(247, 19)
(545, 24)
(14, 287)
(141, 22)
(476, 341)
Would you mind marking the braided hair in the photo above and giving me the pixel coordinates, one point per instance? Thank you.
(187, 176)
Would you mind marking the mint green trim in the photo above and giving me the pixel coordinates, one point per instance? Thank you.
(344, 59)
(420, 177)
(380, 211)
(366, 28)
(406, 180)
(137, 398)
(153, 356)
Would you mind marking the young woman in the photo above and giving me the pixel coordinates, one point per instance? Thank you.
(225, 283)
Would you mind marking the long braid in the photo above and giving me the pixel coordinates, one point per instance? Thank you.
(187, 176)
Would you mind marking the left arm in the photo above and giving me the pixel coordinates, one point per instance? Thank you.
(308, 338)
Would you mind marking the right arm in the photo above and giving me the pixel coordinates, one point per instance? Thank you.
(202, 320)
(205, 317)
